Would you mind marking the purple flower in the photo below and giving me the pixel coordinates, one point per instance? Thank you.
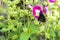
(45, 8)
(28, 6)
(36, 11)
(52, 1)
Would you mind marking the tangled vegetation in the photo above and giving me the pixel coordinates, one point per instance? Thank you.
(18, 23)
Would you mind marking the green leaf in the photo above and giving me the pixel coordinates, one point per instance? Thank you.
(2, 10)
(14, 22)
(1, 17)
(24, 36)
(4, 29)
(10, 27)
(2, 25)
(52, 33)
(36, 22)
(47, 35)
(33, 28)
(59, 33)
(14, 37)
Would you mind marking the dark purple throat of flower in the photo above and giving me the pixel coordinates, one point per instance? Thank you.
(41, 17)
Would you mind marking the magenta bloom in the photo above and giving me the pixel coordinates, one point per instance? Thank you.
(45, 8)
(28, 6)
(36, 11)
(52, 1)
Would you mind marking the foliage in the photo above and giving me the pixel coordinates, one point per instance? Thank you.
(19, 24)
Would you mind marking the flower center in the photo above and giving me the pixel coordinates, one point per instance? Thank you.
(37, 12)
